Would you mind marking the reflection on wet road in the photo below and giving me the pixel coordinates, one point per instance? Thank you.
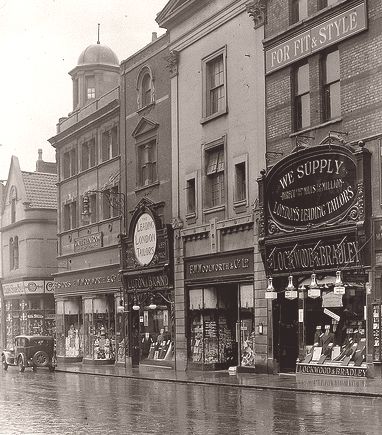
(64, 403)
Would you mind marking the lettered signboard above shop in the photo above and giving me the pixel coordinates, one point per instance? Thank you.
(318, 37)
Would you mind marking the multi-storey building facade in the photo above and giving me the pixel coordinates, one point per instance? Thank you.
(146, 256)
(28, 250)
(87, 285)
(218, 140)
(319, 212)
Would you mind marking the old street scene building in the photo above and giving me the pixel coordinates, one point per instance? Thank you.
(28, 250)
(87, 285)
(319, 216)
(217, 148)
(146, 251)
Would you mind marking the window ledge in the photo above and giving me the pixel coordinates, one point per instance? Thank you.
(143, 108)
(240, 205)
(191, 218)
(206, 119)
(315, 127)
(147, 186)
(214, 209)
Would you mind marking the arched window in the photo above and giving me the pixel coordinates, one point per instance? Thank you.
(12, 200)
(11, 254)
(145, 88)
(16, 252)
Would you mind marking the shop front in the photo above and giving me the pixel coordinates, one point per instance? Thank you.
(88, 318)
(315, 238)
(28, 309)
(220, 311)
(149, 292)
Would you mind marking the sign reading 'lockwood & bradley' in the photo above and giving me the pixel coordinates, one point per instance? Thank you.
(341, 26)
(312, 189)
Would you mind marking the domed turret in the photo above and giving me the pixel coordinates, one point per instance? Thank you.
(98, 54)
(96, 73)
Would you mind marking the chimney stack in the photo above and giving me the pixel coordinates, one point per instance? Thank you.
(154, 36)
(40, 154)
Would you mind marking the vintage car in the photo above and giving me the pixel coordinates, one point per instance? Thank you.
(31, 351)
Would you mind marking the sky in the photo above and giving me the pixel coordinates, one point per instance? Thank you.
(40, 42)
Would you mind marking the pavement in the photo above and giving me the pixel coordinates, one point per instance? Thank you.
(284, 382)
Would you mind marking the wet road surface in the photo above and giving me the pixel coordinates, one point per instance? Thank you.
(64, 403)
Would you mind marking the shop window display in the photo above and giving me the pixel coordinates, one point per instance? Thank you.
(335, 335)
(212, 326)
(120, 332)
(69, 331)
(155, 337)
(99, 327)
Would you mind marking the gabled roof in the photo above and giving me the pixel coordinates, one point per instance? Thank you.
(41, 189)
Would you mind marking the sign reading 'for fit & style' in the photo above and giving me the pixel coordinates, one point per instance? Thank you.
(312, 188)
(331, 31)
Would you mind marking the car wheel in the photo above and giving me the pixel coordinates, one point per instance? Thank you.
(21, 365)
(40, 359)
(4, 362)
(52, 368)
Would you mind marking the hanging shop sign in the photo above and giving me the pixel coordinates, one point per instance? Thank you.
(88, 242)
(145, 239)
(312, 188)
(312, 254)
(218, 266)
(331, 31)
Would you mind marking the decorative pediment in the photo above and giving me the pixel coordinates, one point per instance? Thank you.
(144, 125)
(172, 10)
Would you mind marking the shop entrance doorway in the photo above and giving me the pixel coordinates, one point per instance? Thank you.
(288, 335)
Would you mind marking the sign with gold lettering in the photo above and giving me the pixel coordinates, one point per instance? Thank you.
(313, 187)
(218, 266)
(332, 253)
(331, 31)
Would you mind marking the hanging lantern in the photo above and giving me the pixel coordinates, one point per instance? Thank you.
(270, 292)
(314, 291)
(290, 289)
(339, 288)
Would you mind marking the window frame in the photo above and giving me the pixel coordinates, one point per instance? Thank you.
(139, 163)
(188, 178)
(69, 163)
(107, 205)
(236, 161)
(298, 97)
(90, 91)
(296, 14)
(112, 148)
(70, 216)
(206, 88)
(218, 146)
(11, 254)
(91, 151)
(142, 100)
(327, 86)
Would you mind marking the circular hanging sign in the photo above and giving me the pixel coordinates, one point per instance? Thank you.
(312, 187)
(145, 239)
